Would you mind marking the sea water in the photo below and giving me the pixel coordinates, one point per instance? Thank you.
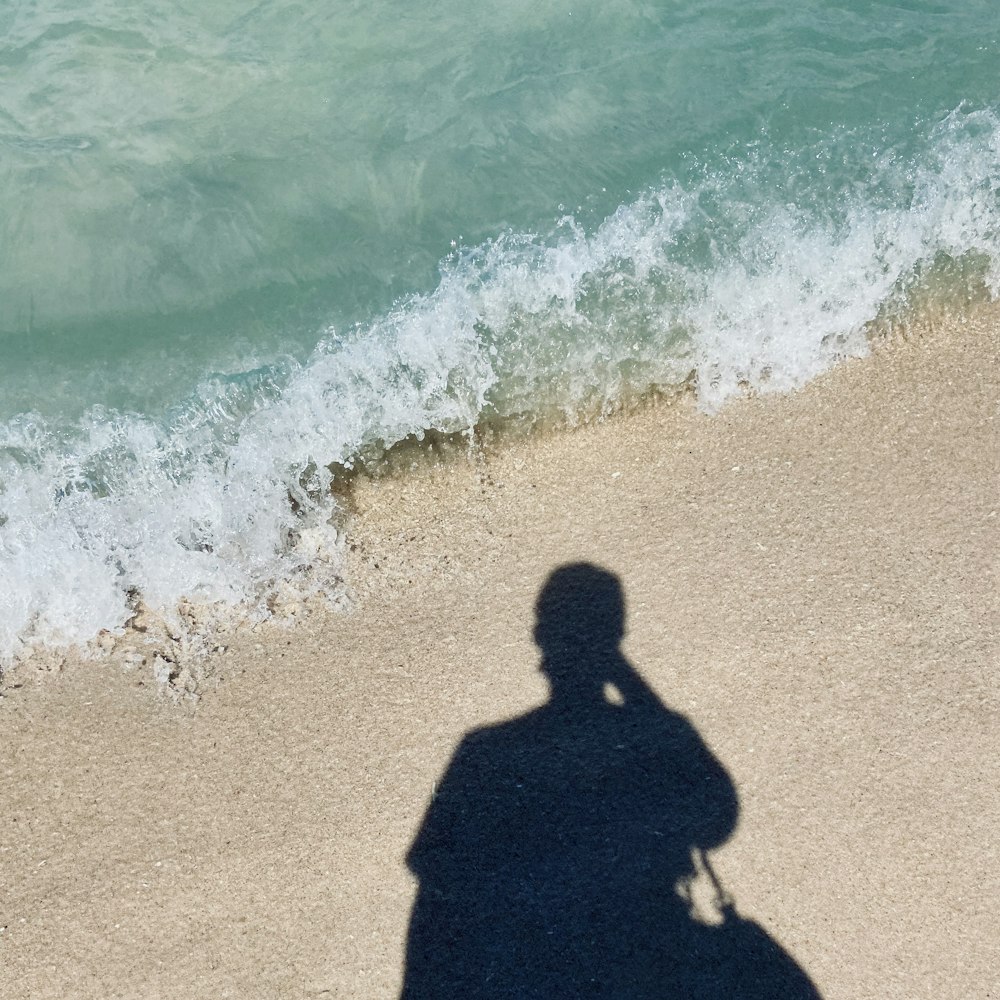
(243, 245)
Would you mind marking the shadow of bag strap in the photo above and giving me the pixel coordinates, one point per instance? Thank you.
(723, 900)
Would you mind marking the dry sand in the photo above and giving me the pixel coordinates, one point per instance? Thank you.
(811, 580)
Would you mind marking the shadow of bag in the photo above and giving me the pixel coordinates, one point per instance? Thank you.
(741, 961)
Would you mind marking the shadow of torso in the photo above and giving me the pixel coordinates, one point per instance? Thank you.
(549, 857)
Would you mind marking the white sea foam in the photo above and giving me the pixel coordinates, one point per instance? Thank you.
(719, 279)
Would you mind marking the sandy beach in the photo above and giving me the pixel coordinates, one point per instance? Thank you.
(811, 580)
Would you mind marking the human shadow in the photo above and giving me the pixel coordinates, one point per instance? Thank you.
(550, 856)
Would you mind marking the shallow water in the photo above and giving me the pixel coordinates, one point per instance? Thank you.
(242, 247)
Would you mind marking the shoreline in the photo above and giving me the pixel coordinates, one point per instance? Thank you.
(810, 579)
(178, 640)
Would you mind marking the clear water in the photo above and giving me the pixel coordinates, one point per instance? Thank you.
(242, 245)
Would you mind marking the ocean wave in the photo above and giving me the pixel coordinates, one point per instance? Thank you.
(753, 276)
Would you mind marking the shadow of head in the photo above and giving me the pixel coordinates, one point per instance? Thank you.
(579, 619)
(580, 605)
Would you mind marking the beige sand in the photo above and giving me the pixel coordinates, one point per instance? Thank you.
(811, 580)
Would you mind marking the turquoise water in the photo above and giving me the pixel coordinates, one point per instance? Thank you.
(241, 246)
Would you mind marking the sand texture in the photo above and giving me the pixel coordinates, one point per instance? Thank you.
(811, 583)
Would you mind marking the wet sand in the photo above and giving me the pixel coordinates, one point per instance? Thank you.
(811, 580)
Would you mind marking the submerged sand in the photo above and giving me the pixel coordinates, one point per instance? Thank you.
(811, 580)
